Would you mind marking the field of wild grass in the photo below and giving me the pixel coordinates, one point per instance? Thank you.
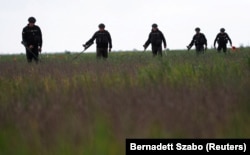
(85, 106)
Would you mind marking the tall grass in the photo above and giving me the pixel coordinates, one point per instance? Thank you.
(90, 107)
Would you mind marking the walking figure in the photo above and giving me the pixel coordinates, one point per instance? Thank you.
(32, 40)
(103, 42)
(156, 38)
(200, 42)
(222, 39)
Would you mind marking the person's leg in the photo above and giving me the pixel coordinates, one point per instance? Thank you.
(159, 51)
(199, 49)
(154, 50)
(219, 48)
(35, 54)
(28, 56)
(98, 53)
(105, 53)
(224, 47)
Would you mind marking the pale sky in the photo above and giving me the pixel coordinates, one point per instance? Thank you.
(66, 24)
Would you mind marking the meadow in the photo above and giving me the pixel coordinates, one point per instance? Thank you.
(89, 106)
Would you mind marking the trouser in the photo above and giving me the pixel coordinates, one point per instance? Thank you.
(222, 46)
(32, 54)
(102, 53)
(157, 50)
(199, 49)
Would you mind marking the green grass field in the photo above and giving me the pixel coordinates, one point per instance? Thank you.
(60, 107)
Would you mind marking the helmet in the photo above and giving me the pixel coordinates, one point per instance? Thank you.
(101, 25)
(154, 25)
(197, 29)
(32, 20)
(222, 30)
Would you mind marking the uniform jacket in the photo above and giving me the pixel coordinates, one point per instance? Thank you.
(103, 39)
(222, 38)
(156, 38)
(32, 36)
(198, 40)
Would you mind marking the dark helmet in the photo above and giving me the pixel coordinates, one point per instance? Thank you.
(101, 25)
(197, 29)
(154, 25)
(32, 20)
(222, 30)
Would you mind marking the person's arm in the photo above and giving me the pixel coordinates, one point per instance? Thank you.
(24, 38)
(91, 40)
(205, 40)
(191, 43)
(109, 41)
(229, 39)
(40, 41)
(164, 40)
(147, 42)
(215, 40)
(205, 43)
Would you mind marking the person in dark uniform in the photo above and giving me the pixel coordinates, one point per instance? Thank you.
(222, 39)
(32, 40)
(199, 40)
(103, 42)
(156, 38)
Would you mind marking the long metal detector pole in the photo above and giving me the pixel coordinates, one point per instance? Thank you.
(78, 55)
(85, 48)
